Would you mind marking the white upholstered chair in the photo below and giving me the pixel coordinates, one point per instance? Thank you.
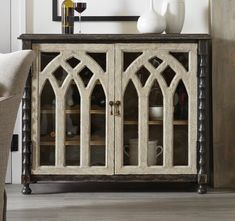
(14, 69)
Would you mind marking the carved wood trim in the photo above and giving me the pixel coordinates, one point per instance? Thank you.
(203, 53)
(26, 130)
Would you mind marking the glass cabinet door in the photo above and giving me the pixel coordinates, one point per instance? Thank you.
(72, 125)
(134, 112)
(74, 130)
(47, 126)
(155, 131)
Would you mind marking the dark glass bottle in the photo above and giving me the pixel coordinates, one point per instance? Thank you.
(67, 17)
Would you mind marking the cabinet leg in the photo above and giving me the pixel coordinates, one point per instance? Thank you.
(26, 189)
(202, 189)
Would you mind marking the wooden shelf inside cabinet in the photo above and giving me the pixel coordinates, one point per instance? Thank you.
(73, 111)
(180, 122)
(101, 112)
(157, 122)
(48, 111)
(71, 141)
(74, 141)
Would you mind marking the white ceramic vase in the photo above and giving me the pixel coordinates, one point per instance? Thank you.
(174, 13)
(151, 21)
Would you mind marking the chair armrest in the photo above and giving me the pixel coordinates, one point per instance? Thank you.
(2, 99)
(8, 100)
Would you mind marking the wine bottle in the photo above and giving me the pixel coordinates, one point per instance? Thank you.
(67, 16)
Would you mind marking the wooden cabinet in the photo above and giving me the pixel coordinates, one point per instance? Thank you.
(116, 108)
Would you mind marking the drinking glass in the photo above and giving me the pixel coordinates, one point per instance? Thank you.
(80, 7)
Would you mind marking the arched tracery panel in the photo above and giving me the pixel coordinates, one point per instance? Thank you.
(180, 135)
(143, 76)
(98, 118)
(130, 126)
(158, 73)
(155, 128)
(76, 74)
(47, 126)
(72, 125)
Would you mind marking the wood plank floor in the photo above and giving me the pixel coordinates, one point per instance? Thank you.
(47, 203)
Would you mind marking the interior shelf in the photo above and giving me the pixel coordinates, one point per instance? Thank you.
(72, 141)
(156, 122)
(73, 111)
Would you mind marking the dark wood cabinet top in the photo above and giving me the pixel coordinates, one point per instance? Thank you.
(112, 38)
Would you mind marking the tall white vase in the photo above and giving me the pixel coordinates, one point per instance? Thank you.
(174, 11)
(151, 21)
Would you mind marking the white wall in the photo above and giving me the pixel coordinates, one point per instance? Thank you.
(39, 18)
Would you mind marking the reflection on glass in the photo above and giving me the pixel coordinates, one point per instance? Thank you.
(73, 62)
(72, 130)
(100, 59)
(98, 126)
(97, 156)
(72, 155)
(181, 125)
(168, 74)
(155, 62)
(47, 155)
(181, 102)
(143, 75)
(47, 126)
(60, 75)
(46, 58)
(47, 97)
(155, 102)
(129, 58)
(182, 57)
(86, 75)
(130, 130)
(155, 144)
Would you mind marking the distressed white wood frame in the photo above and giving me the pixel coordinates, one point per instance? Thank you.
(106, 79)
(114, 82)
(189, 79)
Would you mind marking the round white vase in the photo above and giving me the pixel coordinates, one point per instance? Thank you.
(174, 15)
(151, 21)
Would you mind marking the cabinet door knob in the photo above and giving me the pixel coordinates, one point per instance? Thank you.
(111, 103)
(117, 110)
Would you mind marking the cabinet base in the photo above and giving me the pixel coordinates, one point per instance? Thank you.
(172, 178)
(26, 190)
(202, 189)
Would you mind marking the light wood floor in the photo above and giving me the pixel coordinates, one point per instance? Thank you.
(47, 204)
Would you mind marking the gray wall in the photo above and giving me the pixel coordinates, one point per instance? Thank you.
(223, 32)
